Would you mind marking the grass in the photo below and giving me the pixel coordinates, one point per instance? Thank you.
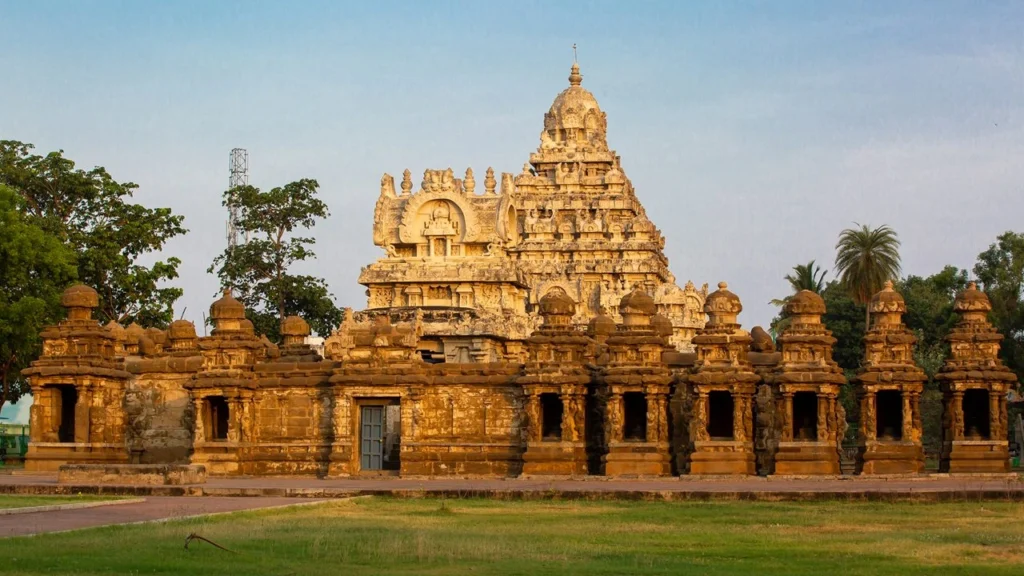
(12, 501)
(428, 536)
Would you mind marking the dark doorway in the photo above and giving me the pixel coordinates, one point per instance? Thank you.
(634, 426)
(67, 400)
(889, 415)
(976, 416)
(551, 417)
(805, 416)
(218, 406)
(593, 424)
(720, 415)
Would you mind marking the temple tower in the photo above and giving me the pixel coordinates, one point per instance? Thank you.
(889, 387)
(974, 385)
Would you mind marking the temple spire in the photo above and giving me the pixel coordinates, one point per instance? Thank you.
(575, 78)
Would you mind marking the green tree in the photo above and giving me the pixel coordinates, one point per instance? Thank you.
(35, 267)
(92, 214)
(1000, 269)
(865, 259)
(259, 269)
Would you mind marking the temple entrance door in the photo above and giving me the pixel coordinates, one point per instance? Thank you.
(371, 438)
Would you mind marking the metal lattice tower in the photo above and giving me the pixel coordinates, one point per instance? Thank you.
(239, 176)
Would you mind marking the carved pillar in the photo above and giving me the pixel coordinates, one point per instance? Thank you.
(915, 405)
(957, 410)
(908, 416)
(748, 417)
(833, 420)
(822, 418)
(787, 417)
(534, 422)
(739, 433)
(869, 424)
(1004, 419)
(615, 417)
(652, 416)
(82, 414)
(234, 419)
(662, 418)
(202, 420)
(995, 433)
(570, 416)
(700, 417)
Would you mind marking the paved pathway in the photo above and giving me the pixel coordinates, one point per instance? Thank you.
(153, 508)
(312, 487)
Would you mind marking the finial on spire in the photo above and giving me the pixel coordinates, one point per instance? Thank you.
(574, 61)
(575, 78)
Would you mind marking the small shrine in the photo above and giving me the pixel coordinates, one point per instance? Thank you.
(975, 384)
(805, 384)
(722, 387)
(889, 387)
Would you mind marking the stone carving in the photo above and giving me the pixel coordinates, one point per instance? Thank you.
(387, 185)
(406, 183)
(489, 182)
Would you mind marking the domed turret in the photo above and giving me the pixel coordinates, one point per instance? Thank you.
(117, 331)
(80, 300)
(557, 309)
(722, 306)
(294, 330)
(181, 335)
(227, 313)
(574, 119)
(636, 309)
(972, 304)
(887, 306)
(601, 326)
(662, 325)
(805, 307)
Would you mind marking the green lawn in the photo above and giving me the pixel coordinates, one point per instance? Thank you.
(11, 501)
(385, 536)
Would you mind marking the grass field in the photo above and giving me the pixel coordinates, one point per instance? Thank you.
(385, 536)
(10, 501)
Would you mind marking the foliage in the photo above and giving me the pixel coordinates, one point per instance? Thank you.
(35, 267)
(383, 536)
(808, 276)
(260, 268)
(91, 213)
(865, 259)
(1000, 269)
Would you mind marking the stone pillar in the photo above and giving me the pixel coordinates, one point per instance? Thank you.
(738, 424)
(868, 422)
(81, 409)
(907, 432)
(700, 418)
(994, 430)
(615, 417)
(202, 420)
(822, 418)
(957, 409)
(787, 417)
(234, 420)
(533, 415)
(663, 431)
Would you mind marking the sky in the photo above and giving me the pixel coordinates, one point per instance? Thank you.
(753, 132)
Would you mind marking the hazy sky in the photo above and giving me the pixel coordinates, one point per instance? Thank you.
(753, 132)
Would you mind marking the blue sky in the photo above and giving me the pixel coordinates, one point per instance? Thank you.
(753, 131)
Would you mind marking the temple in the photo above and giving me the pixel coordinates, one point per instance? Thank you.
(532, 329)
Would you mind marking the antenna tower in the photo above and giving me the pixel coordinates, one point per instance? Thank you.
(238, 176)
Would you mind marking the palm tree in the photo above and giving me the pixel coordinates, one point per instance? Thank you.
(808, 276)
(865, 259)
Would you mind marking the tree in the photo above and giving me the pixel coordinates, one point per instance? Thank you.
(865, 259)
(92, 214)
(804, 277)
(35, 267)
(260, 268)
(1000, 269)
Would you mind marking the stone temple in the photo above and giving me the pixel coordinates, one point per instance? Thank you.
(477, 263)
(529, 329)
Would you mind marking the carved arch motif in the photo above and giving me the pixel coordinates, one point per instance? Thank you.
(407, 231)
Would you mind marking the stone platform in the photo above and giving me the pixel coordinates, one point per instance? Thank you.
(936, 487)
(132, 474)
